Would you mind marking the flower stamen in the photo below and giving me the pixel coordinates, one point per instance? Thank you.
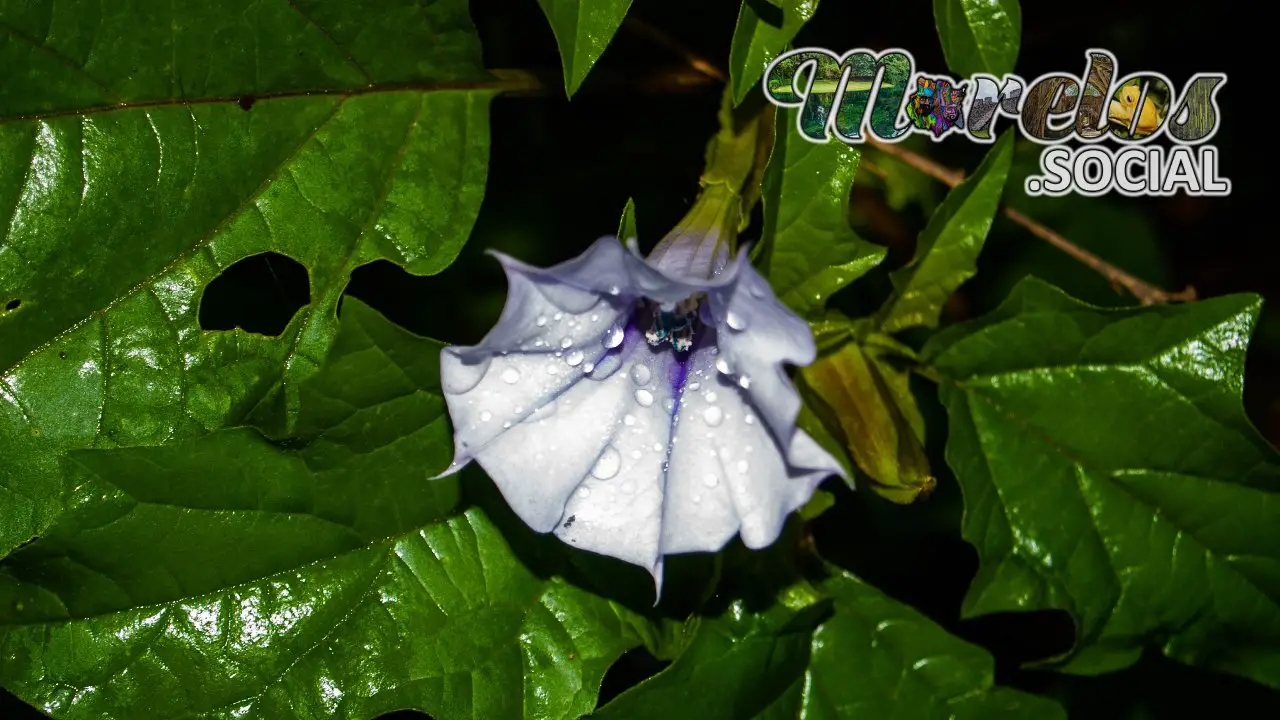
(677, 326)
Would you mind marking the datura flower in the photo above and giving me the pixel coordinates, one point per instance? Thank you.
(640, 408)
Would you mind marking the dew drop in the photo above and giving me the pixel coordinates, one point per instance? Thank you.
(657, 447)
(640, 374)
(595, 317)
(608, 464)
(541, 321)
(511, 376)
(735, 321)
(584, 492)
(613, 337)
(588, 367)
(743, 467)
(712, 416)
(749, 448)
(669, 405)
(744, 382)
(566, 342)
(557, 316)
(506, 425)
(628, 419)
(538, 343)
(614, 289)
(710, 396)
(486, 416)
(695, 385)
(553, 369)
(697, 498)
(644, 397)
(723, 365)
(750, 419)
(635, 454)
(575, 358)
(757, 290)
(710, 480)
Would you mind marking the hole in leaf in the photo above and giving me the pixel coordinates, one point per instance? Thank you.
(634, 667)
(1021, 637)
(259, 294)
(405, 715)
(246, 101)
(12, 305)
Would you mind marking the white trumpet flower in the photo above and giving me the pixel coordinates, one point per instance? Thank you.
(640, 408)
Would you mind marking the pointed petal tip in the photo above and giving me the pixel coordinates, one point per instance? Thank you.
(656, 571)
(459, 462)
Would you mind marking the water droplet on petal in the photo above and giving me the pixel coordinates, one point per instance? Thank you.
(723, 365)
(749, 448)
(735, 321)
(511, 376)
(743, 466)
(710, 480)
(595, 317)
(640, 374)
(712, 416)
(588, 367)
(557, 316)
(628, 419)
(657, 447)
(750, 419)
(584, 492)
(669, 405)
(744, 382)
(644, 397)
(541, 321)
(613, 337)
(635, 454)
(575, 358)
(695, 385)
(614, 289)
(486, 416)
(506, 425)
(757, 290)
(566, 342)
(552, 369)
(608, 464)
(710, 396)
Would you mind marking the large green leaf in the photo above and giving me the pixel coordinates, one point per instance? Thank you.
(758, 40)
(947, 250)
(230, 577)
(979, 36)
(144, 150)
(871, 656)
(1109, 470)
(811, 250)
(583, 29)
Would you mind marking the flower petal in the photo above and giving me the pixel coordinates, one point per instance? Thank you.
(757, 335)
(728, 473)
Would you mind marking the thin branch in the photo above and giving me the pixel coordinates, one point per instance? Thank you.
(1145, 292)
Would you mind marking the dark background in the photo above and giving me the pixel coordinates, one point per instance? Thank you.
(562, 171)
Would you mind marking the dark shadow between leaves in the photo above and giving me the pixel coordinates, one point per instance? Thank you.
(634, 667)
(259, 294)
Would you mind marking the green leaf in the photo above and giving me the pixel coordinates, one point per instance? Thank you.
(870, 657)
(136, 175)
(1109, 470)
(627, 225)
(583, 30)
(979, 36)
(758, 40)
(229, 577)
(811, 250)
(947, 250)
